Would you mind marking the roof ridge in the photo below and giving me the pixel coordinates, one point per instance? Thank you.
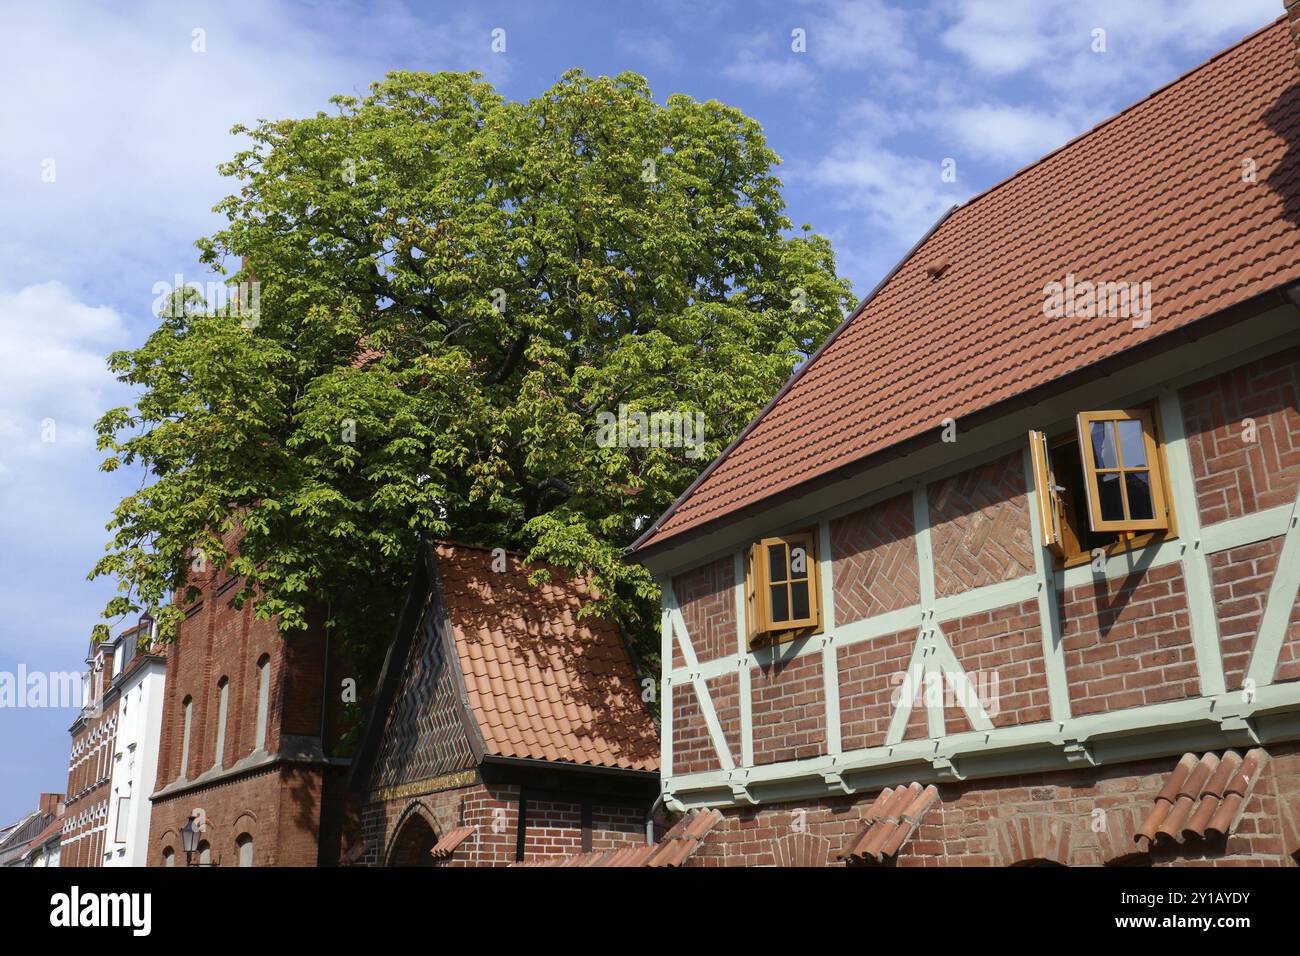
(1115, 116)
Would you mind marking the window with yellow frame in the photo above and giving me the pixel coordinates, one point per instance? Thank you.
(1102, 487)
(783, 595)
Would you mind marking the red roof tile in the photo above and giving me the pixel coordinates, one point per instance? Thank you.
(542, 683)
(1157, 193)
(445, 847)
(1203, 797)
(889, 822)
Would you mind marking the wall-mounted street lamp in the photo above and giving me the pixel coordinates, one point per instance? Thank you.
(189, 840)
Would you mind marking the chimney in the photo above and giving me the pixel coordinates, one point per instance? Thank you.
(51, 804)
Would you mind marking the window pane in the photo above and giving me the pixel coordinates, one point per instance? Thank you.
(799, 600)
(1110, 498)
(776, 562)
(780, 603)
(1132, 445)
(1103, 444)
(798, 563)
(1139, 495)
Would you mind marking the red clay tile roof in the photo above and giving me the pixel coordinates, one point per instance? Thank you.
(1222, 785)
(889, 822)
(445, 847)
(541, 683)
(678, 845)
(1157, 193)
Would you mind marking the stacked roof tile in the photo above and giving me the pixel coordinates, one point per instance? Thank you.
(678, 845)
(889, 822)
(541, 682)
(1203, 798)
(445, 847)
(1193, 189)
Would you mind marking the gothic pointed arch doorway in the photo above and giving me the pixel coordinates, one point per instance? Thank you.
(412, 840)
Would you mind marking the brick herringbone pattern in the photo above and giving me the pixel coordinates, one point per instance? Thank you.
(980, 529)
(1235, 476)
(873, 557)
(708, 604)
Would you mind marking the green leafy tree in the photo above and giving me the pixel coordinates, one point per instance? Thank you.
(452, 287)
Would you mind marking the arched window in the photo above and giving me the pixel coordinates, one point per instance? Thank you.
(245, 844)
(223, 701)
(169, 856)
(263, 700)
(187, 705)
(205, 853)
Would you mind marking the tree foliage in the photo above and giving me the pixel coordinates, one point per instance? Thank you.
(452, 288)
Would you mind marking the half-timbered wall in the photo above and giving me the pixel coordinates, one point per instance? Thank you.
(953, 645)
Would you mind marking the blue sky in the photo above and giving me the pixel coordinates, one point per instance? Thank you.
(135, 122)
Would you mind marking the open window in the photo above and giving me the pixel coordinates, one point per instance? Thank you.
(1103, 486)
(783, 595)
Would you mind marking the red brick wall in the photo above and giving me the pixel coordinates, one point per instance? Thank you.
(1083, 817)
(218, 641)
(1288, 662)
(1241, 578)
(1128, 642)
(553, 825)
(708, 601)
(873, 560)
(788, 709)
(870, 671)
(979, 527)
(279, 807)
(1006, 644)
(285, 801)
(693, 750)
(90, 816)
(1235, 477)
(724, 691)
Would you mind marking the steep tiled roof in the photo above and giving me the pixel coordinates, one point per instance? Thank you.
(1203, 797)
(889, 822)
(1195, 189)
(541, 683)
(677, 846)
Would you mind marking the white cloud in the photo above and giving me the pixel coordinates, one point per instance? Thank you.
(55, 383)
(862, 35)
(760, 62)
(654, 48)
(1014, 135)
(899, 196)
(1053, 40)
(136, 122)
